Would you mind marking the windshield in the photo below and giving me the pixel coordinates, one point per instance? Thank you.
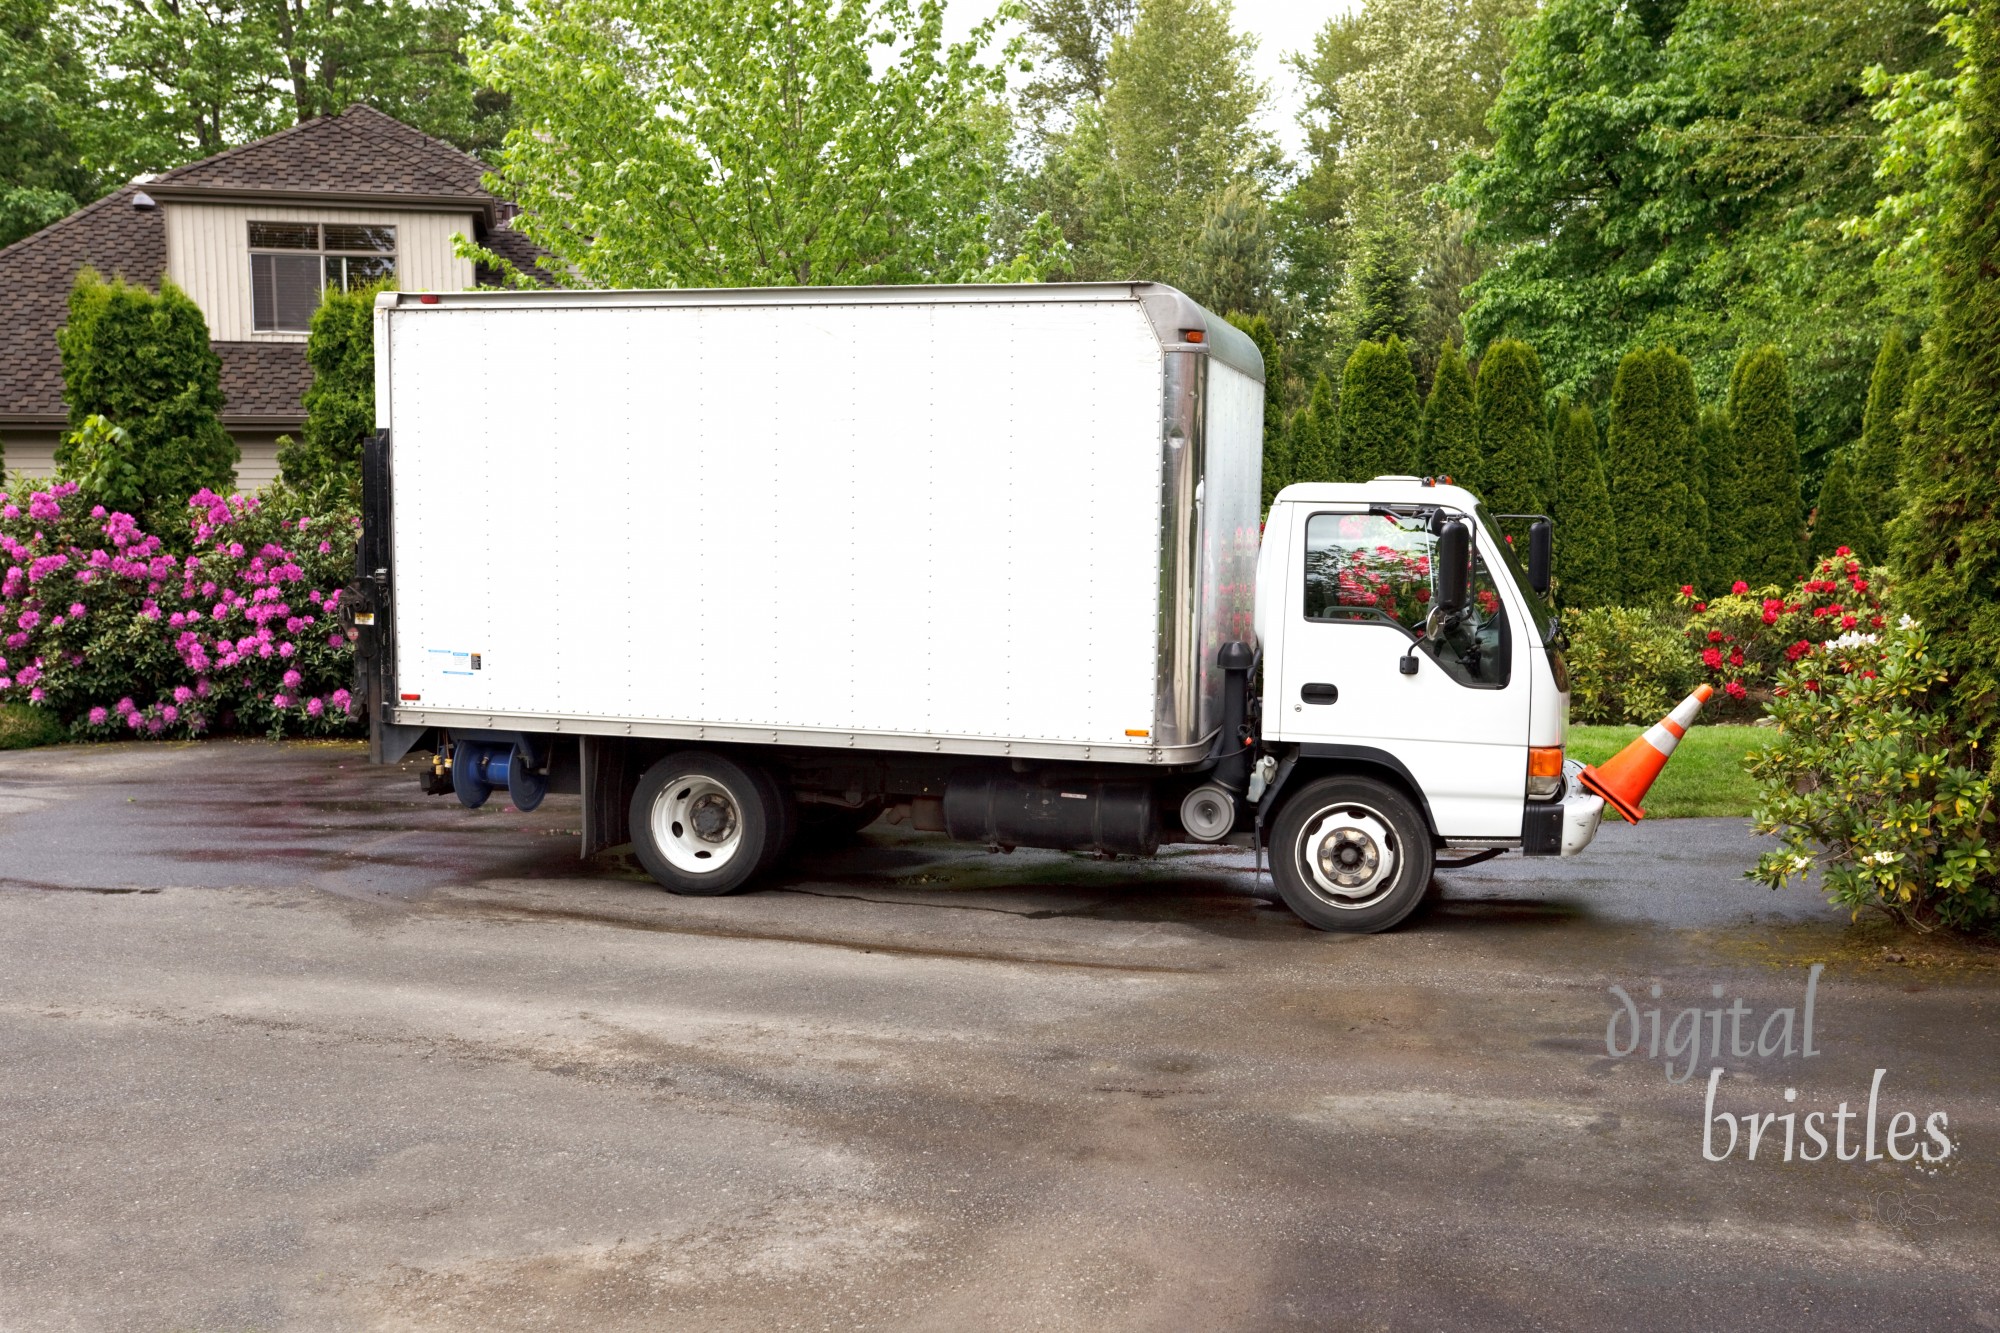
(1539, 610)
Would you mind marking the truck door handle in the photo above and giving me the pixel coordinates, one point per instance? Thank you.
(1319, 694)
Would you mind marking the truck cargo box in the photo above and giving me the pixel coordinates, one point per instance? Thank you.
(990, 520)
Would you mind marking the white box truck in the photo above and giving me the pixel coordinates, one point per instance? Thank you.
(745, 568)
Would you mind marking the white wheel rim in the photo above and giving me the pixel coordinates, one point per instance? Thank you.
(697, 824)
(1348, 856)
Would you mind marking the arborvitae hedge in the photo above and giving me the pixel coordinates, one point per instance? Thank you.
(1638, 475)
(1946, 542)
(143, 363)
(1681, 445)
(1379, 412)
(1770, 515)
(1721, 480)
(1451, 424)
(1278, 462)
(1586, 539)
(1314, 436)
(1517, 460)
(1878, 457)
(1841, 518)
(340, 404)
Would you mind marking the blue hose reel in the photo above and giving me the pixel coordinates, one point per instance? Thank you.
(481, 767)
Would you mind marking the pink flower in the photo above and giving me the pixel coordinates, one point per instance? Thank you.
(280, 701)
(314, 707)
(76, 610)
(292, 679)
(171, 714)
(134, 721)
(326, 548)
(98, 717)
(125, 706)
(341, 698)
(182, 694)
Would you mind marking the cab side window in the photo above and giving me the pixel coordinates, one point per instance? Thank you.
(1376, 568)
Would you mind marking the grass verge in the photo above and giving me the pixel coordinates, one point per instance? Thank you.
(23, 727)
(1705, 776)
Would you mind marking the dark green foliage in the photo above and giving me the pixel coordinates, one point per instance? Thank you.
(1945, 545)
(1380, 414)
(1278, 451)
(143, 364)
(1451, 423)
(1841, 519)
(1878, 456)
(1517, 462)
(1681, 446)
(1586, 540)
(1721, 477)
(1315, 436)
(1382, 286)
(44, 89)
(1638, 472)
(1770, 515)
(340, 405)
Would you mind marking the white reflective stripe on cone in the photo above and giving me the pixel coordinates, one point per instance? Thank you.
(1689, 710)
(1661, 739)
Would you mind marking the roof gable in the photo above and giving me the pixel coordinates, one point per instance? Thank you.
(359, 151)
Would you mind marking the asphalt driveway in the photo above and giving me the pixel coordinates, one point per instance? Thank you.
(289, 1045)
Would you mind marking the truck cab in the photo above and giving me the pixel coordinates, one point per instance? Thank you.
(1456, 715)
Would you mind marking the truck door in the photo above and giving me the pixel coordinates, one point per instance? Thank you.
(1358, 589)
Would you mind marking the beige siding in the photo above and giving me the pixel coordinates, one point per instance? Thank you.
(29, 450)
(208, 255)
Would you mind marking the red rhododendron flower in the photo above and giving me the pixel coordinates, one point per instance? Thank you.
(1739, 587)
(1715, 636)
(1841, 550)
(1847, 622)
(1734, 689)
(1736, 658)
(1701, 606)
(1770, 615)
(1687, 590)
(1712, 657)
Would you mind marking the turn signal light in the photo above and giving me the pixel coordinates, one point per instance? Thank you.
(1192, 335)
(1545, 770)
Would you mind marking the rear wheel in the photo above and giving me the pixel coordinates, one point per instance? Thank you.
(1351, 854)
(703, 824)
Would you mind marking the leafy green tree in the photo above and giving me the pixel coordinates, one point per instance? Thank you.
(1380, 414)
(1144, 173)
(1586, 538)
(1878, 457)
(1517, 462)
(1279, 460)
(1722, 480)
(1840, 519)
(1681, 445)
(1230, 268)
(1676, 172)
(1382, 285)
(45, 120)
(340, 403)
(1451, 423)
(1316, 437)
(701, 143)
(141, 366)
(1770, 515)
(1069, 49)
(1946, 542)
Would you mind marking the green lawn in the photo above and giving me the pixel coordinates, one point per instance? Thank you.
(22, 727)
(1704, 777)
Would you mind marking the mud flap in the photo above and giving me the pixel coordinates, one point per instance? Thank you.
(610, 777)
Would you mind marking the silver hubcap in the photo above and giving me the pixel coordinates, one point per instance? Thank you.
(697, 825)
(1349, 856)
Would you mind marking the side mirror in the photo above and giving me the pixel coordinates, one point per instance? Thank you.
(1454, 566)
(1541, 555)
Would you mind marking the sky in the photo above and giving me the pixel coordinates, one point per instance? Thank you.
(1280, 27)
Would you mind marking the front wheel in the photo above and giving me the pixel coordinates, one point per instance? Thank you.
(1351, 854)
(703, 824)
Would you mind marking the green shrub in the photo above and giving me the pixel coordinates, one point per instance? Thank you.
(1770, 515)
(23, 727)
(1720, 482)
(340, 404)
(1651, 456)
(1865, 783)
(1683, 449)
(1379, 413)
(1451, 426)
(1745, 638)
(1626, 664)
(1878, 455)
(1278, 453)
(1314, 435)
(1586, 539)
(143, 363)
(1841, 518)
(1518, 466)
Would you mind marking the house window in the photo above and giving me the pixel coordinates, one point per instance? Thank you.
(291, 263)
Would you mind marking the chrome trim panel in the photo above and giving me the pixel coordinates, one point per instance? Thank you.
(1183, 433)
(572, 725)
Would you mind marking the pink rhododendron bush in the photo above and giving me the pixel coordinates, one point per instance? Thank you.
(230, 625)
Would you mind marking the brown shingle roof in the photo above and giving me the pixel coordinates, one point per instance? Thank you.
(264, 381)
(36, 274)
(359, 151)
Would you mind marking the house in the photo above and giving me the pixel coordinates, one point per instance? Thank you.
(253, 235)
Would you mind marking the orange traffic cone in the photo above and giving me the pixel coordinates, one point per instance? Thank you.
(1627, 776)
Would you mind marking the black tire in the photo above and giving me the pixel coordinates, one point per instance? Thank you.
(695, 807)
(1351, 820)
(827, 825)
(784, 811)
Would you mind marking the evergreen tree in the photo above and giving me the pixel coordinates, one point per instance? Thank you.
(1945, 544)
(1451, 423)
(1315, 436)
(1380, 414)
(1637, 474)
(1586, 541)
(1841, 518)
(143, 364)
(340, 403)
(1382, 285)
(1517, 462)
(1770, 515)
(1721, 478)
(1879, 455)
(1680, 443)
(1279, 452)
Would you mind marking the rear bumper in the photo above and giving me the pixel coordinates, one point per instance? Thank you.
(1582, 811)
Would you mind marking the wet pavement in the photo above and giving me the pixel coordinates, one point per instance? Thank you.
(289, 1045)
